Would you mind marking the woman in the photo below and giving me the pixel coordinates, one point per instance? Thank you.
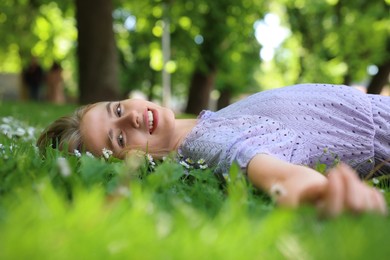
(273, 135)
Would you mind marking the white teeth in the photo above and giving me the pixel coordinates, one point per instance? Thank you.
(150, 117)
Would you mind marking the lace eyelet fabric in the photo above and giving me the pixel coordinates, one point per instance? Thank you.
(307, 124)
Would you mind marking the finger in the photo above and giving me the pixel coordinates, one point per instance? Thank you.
(357, 198)
(375, 201)
(361, 197)
(334, 195)
(380, 205)
(370, 200)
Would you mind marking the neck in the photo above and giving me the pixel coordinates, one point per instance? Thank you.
(182, 129)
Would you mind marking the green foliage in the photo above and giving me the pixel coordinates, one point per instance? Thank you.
(228, 45)
(330, 41)
(48, 32)
(63, 206)
(335, 41)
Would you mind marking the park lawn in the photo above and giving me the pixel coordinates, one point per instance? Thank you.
(63, 206)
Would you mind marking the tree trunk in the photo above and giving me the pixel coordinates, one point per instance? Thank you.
(201, 85)
(224, 99)
(97, 54)
(380, 79)
(347, 79)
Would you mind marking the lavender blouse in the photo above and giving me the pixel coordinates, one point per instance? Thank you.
(303, 124)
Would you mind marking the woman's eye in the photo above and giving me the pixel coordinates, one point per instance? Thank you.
(118, 110)
(121, 141)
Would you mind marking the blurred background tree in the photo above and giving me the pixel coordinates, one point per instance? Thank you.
(96, 51)
(338, 42)
(214, 45)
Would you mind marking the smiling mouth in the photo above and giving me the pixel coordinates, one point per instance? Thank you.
(150, 121)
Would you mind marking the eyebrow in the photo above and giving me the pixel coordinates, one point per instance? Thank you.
(110, 137)
(108, 108)
(110, 133)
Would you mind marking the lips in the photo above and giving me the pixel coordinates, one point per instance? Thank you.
(151, 120)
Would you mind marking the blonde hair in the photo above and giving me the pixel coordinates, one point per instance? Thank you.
(64, 132)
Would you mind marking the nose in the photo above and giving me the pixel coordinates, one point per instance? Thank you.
(131, 118)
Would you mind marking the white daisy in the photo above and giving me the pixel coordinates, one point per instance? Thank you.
(63, 166)
(107, 153)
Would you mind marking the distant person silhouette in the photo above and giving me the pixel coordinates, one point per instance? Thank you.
(33, 76)
(55, 87)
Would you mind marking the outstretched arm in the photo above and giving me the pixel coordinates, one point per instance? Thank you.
(294, 185)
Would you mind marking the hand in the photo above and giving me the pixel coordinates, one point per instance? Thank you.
(346, 192)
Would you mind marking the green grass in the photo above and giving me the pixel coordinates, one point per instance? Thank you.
(103, 209)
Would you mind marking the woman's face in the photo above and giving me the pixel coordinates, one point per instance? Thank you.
(130, 123)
